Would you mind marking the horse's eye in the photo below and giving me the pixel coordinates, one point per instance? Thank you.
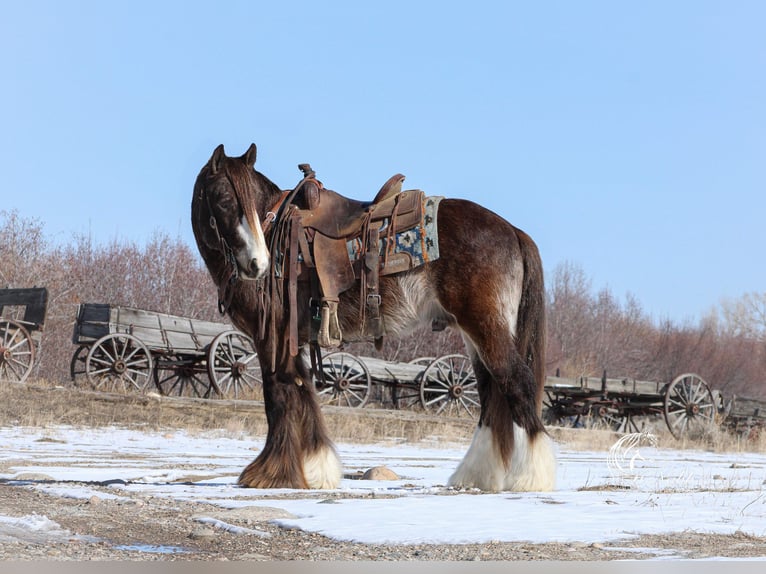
(227, 204)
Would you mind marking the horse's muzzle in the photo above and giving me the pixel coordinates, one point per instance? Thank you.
(254, 271)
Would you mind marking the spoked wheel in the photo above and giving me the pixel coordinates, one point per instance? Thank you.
(605, 417)
(233, 365)
(17, 351)
(554, 412)
(180, 376)
(448, 385)
(689, 406)
(120, 363)
(77, 364)
(347, 381)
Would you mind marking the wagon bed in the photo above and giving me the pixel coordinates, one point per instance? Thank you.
(124, 348)
(745, 416)
(160, 332)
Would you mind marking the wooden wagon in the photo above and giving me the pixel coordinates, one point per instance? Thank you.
(744, 416)
(447, 385)
(123, 349)
(689, 406)
(22, 317)
(687, 403)
(443, 385)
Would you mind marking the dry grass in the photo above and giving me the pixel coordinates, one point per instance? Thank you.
(44, 404)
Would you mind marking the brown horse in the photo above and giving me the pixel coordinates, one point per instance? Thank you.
(487, 282)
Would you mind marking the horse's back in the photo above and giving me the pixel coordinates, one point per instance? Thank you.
(475, 240)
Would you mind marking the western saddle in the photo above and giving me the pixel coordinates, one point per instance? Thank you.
(315, 246)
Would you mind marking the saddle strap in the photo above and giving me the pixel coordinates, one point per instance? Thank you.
(296, 230)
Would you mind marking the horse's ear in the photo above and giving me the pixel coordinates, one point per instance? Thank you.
(249, 155)
(216, 159)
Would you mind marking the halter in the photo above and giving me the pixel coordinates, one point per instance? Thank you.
(226, 288)
(273, 215)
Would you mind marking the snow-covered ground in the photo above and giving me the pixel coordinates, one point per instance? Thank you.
(600, 496)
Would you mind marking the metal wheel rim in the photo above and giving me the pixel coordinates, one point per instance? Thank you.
(177, 376)
(347, 381)
(438, 382)
(119, 349)
(689, 406)
(77, 364)
(18, 352)
(233, 366)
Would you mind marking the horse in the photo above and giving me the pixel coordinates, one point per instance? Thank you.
(487, 283)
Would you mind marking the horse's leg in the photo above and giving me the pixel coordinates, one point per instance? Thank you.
(510, 449)
(489, 278)
(298, 452)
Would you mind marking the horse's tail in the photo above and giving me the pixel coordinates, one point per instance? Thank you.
(531, 324)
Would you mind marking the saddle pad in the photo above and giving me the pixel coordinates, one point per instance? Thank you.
(421, 242)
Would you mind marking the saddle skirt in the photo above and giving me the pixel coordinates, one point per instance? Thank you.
(411, 246)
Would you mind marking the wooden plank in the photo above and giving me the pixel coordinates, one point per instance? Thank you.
(624, 386)
(392, 371)
(33, 299)
(742, 407)
(92, 323)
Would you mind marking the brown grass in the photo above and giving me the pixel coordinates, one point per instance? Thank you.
(44, 404)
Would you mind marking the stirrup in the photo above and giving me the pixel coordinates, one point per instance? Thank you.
(329, 334)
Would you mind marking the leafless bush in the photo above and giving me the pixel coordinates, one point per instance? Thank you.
(591, 333)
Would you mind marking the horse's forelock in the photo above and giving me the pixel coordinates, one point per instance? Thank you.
(246, 190)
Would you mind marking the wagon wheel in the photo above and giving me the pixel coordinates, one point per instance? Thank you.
(555, 414)
(689, 406)
(17, 352)
(118, 362)
(181, 376)
(407, 394)
(347, 381)
(77, 364)
(233, 365)
(605, 417)
(449, 384)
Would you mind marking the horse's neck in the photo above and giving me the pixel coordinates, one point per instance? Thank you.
(268, 196)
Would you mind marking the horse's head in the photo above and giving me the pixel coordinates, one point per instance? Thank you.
(228, 196)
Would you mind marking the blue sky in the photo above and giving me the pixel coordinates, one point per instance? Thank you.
(628, 138)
